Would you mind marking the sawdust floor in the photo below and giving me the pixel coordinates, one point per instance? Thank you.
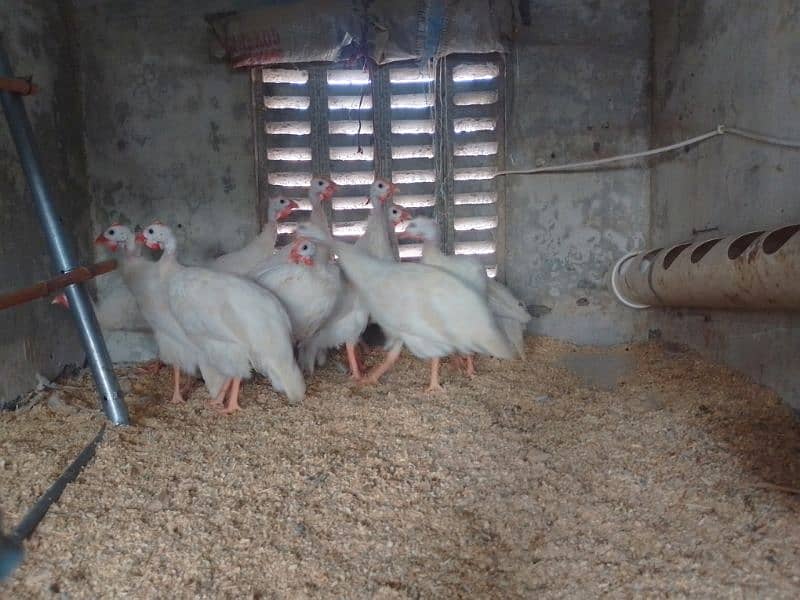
(528, 482)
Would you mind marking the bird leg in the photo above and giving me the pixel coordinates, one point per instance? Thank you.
(435, 386)
(151, 367)
(464, 362)
(352, 360)
(375, 374)
(176, 394)
(188, 387)
(233, 398)
(217, 401)
(470, 366)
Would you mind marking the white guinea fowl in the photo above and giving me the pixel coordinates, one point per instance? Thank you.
(347, 321)
(260, 248)
(377, 238)
(139, 275)
(307, 284)
(510, 313)
(429, 310)
(237, 324)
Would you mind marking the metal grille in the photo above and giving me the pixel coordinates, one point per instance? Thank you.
(436, 133)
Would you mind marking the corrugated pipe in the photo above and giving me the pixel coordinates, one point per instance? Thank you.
(754, 270)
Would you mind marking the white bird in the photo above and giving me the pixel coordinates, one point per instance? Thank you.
(510, 313)
(139, 275)
(377, 238)
(429, 310)
(260, 248)
(307, 284)
(237, 324)
(348, 319)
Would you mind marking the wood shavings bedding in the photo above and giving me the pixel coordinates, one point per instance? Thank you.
(525, 482)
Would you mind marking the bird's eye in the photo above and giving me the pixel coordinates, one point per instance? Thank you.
(150, 231)
(320, 182)
(110, 232)
(305, 246)
(380, 185)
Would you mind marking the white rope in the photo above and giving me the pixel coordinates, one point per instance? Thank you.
(720, 130)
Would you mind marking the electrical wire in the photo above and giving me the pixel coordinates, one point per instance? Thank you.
(720, 130)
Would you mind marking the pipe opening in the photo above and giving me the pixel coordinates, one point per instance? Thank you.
(670, 256)
(647, 260)
(703, 249)
(740, 244)
(775, 240)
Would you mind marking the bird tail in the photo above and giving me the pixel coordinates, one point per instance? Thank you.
(513, 330)
(286, 378)
(503, 303)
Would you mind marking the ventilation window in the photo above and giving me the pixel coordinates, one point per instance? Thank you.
(703, 249)
(740, 244)
(775, 240)
(435, 130)
(670, 256)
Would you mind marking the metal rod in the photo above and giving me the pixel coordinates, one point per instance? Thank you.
(63, 255)
(45, 288)
(37, 512)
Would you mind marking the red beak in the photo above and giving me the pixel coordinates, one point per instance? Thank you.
(61, 299)
(392, 189)
(405, 216)
(140, 238)
(329, 191)
(288, 210)
(101, 239)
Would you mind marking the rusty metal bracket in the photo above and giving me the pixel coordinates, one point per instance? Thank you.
(16, 85)
(47, 287)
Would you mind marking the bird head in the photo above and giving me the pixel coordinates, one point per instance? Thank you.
(398, 214)
(302, 252)
(382, 190)
(280, 208)
(421, 229)
(115, 236)
(155, 236)
(323, 188)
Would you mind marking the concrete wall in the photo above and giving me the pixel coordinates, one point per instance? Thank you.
(170, 133)
(37, 337)
(732, 62)
(169, 138)
(579, 77)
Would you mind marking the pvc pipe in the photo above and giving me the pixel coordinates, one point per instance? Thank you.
(757, 270)
(62, 253)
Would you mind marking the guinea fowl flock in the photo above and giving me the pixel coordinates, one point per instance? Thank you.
(279, 311)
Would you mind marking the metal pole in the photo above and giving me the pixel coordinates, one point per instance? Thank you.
(62, 253)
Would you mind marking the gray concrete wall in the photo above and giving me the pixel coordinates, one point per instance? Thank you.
(169, 136)
(37, 337)
(579, 77)
(170, 133)
(733, 62)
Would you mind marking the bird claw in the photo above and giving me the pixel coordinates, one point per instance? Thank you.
(227, 410)
(434, 389)
(365, 381)
(177, 399)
